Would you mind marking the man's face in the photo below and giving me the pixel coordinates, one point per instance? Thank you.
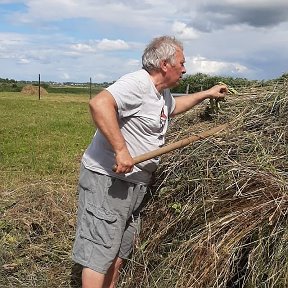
(175, 72)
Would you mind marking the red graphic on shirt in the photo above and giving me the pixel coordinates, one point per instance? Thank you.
(163, 118)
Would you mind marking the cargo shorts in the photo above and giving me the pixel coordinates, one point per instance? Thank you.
(108, 219)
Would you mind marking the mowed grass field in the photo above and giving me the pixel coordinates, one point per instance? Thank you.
(41, 144)
(43, 137)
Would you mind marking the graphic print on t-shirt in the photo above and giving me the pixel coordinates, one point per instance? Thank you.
(163, 118)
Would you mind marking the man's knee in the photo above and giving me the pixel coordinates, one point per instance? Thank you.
(92, 279)
(112, 276)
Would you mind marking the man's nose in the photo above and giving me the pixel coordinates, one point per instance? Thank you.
(183, 69)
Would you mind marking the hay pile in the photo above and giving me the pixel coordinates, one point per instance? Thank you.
(33, 90)
(218, 214)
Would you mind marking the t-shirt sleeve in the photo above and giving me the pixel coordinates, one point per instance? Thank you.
(169, 101)
(128, 94)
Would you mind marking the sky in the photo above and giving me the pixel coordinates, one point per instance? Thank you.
(73, 40)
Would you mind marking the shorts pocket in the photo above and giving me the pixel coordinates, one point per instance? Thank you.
(99, 225)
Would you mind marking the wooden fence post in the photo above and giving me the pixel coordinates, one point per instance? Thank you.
(90, 88)
(39, 92)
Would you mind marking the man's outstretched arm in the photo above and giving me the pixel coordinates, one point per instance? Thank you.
(186, 102)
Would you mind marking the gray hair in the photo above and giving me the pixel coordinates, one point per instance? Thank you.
(159, 49)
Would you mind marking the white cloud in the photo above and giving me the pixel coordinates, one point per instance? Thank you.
(82, 48)
(134, 63)
(183, 32)
(107, 44)
(211, 67)
(123, 13)
(99, 77)
(65, 76)
(23, 61)
(11, 38)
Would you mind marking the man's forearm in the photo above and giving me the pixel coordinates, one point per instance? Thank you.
(186, 102)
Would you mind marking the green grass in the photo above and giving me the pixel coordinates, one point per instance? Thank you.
(43, 136)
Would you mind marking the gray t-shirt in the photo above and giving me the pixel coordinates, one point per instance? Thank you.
(143, 120)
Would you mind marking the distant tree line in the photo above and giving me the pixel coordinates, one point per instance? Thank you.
(201, 81)
(9, 85)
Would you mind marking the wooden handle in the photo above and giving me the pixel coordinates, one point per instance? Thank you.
(176, 145)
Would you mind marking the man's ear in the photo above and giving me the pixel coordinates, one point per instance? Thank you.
(163, 65)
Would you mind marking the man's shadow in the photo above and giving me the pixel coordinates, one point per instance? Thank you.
(75, 276)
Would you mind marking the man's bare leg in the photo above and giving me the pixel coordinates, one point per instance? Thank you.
(113, 273)
(92, 279)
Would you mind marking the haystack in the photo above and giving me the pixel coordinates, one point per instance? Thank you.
(217, 215)
(33, 90)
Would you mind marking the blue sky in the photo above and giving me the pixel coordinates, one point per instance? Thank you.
(73, 40)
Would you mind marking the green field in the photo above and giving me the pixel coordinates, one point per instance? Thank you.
(43, 136)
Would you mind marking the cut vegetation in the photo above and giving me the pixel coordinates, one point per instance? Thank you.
(216, 215)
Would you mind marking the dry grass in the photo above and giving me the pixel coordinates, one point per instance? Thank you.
(37, 232)
(218, 214)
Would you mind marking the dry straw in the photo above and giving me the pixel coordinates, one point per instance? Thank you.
(33, 90)
(218, 214)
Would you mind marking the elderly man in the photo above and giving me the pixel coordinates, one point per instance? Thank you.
(132, 118)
